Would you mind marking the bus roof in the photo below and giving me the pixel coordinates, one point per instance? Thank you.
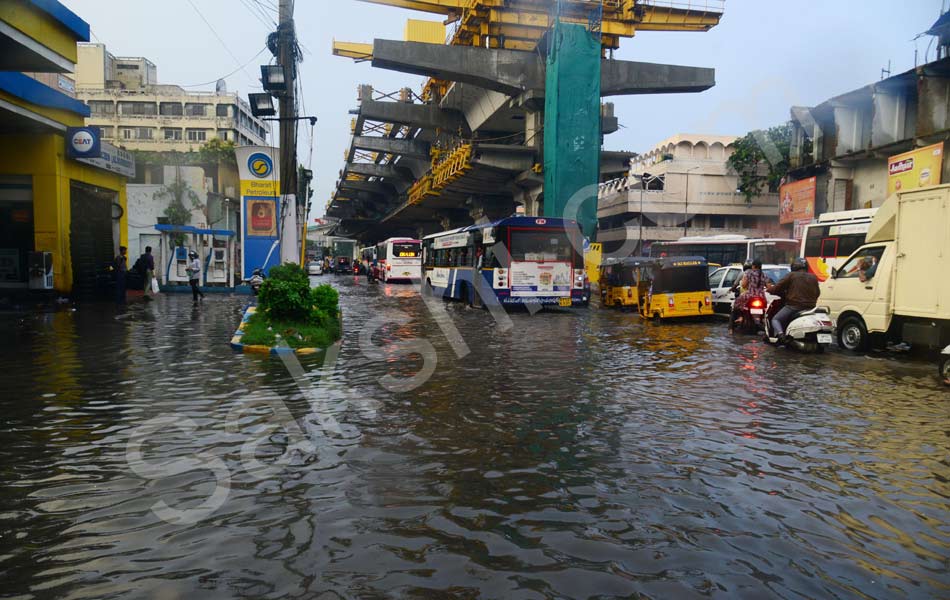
(517, 221)
(844, 216)
(721, 239)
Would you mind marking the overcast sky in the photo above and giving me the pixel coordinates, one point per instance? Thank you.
(768, 56)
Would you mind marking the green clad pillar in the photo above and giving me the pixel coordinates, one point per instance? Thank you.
(572, 123)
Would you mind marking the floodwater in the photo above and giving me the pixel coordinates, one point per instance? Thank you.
(566, 456)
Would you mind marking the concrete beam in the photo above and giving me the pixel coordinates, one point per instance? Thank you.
(506, 71)
(374, 170)
(425, 116)
(372, 187)
(391, 146)
(623, 78)
(513, 73)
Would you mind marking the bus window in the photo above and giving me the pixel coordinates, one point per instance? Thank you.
(848, 243)
(813, 240)
(405, 250)
(540, 246)
(829, 248)
(775, 253)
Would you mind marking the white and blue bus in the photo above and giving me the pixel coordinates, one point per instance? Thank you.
(522, 260)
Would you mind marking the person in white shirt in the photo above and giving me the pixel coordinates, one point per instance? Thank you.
(194, 275)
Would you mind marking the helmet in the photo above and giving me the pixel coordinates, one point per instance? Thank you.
(799, 264)
(747, 265)
(192, 254)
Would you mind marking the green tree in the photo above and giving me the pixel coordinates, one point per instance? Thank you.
(761, 160)
(176, 194)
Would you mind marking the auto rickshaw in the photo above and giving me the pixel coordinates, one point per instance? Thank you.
(621, 280)
(678, 287)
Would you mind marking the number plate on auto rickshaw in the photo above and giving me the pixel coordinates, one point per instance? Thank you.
(564, 301)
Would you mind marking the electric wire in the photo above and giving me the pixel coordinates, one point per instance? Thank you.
(253, 58)
(214, 31)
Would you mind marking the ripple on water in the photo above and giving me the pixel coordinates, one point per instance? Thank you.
(568, 456)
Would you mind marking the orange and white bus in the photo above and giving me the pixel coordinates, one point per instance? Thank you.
(833, 237)
(399, 259)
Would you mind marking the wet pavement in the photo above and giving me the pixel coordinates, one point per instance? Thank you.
(570, 456)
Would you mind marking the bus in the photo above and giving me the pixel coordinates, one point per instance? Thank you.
(833, 238)
(398, 259)
(729, 249)
(521, 260)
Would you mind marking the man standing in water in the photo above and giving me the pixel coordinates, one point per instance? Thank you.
(194, 275)
(148, 264)
(121, 266)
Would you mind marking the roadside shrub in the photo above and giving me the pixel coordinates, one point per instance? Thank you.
(326, 299)
(285, 294)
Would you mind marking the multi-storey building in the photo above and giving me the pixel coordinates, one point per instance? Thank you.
(131, 108)
(683, 186)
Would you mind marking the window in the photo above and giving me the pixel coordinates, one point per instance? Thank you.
(170, 109)
(749, 222)
(101, 107)
(813, 240)
(221, 110)
(862, 265)
(223, 134)
(716, 278)
(137, 133)
(829, 248)
(138, 108)
(717, 222)
(106, 132)
(197, 135)
(172, 133)
(550, 245)
(196, 110)
(731, 277)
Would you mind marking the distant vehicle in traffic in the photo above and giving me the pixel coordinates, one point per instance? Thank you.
(315, 268)
(833, 237)
(518, 260)
(342, 265)
(398, 259)
(729, 249)
(722, 280)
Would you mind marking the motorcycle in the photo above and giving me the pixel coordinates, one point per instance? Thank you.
(751, 317)
(808, 331)
(945, 366)
(256, 281)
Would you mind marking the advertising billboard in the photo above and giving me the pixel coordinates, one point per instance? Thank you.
(915, 169)
(797, 200)
(260, 207)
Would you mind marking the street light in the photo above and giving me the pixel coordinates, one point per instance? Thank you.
(272, 79)
(645, 179)
(262, 105)
(686, 207)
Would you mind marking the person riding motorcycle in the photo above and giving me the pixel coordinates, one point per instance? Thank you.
(800, 291)
(752, 284)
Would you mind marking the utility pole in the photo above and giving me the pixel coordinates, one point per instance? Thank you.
(287, 107)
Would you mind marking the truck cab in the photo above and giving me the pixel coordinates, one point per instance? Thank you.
(894, 287)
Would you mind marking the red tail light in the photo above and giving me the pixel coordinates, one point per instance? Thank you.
(670, 302)
(630, 293)
(757, 303)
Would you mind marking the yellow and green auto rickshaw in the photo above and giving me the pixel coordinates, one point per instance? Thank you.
(623, 281)
(677, 287)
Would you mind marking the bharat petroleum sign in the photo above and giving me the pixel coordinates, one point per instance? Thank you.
(260, 165)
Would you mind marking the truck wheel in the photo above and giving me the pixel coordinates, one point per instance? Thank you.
(853, 335)
(945, 371)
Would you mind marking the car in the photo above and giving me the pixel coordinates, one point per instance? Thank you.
(315, 268)
(721, 281)
(342, 265)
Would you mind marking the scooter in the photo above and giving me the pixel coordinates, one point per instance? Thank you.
(809, 331)
(256, 281)
(944, 366)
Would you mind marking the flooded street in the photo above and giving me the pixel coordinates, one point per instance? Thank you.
(569, 456)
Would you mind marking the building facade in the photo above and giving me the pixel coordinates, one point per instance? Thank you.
(683, 186)
(71, 211)
(846, 141)
(132, 109)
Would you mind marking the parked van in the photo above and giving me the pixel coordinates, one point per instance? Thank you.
(895, 287)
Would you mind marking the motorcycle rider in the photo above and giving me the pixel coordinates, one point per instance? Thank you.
(800, 291)
(752, 284)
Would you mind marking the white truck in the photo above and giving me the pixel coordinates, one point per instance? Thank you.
(896, 287)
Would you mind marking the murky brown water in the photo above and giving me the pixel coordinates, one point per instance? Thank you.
(572, 456)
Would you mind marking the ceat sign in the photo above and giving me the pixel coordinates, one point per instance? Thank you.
(83, 142)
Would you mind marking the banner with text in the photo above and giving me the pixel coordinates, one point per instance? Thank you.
(915, 169)
(259, 168)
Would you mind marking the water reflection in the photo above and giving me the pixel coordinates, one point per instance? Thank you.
(570, 456)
